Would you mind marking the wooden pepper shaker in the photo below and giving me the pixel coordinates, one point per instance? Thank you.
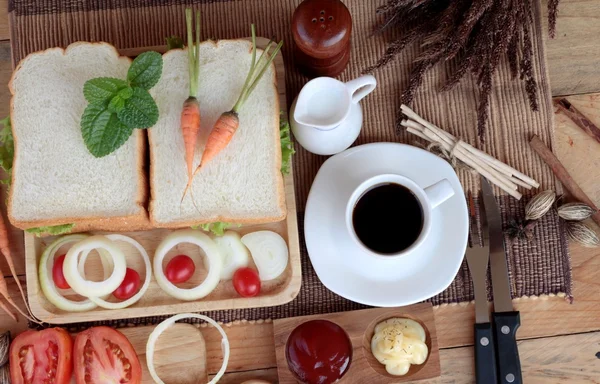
(321, 31)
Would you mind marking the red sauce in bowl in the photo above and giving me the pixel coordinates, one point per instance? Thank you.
(318, 352)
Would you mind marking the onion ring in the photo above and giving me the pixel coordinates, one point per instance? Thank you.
(214, 264)
(49, 288)
(135, 298)
(94, 288)
(160, 328)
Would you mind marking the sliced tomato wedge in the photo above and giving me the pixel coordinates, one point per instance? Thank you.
(39, 357)
(103, 355)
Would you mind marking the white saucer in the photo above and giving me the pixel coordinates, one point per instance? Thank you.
(353, 273)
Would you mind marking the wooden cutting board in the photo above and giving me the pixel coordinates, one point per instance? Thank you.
(155, 301)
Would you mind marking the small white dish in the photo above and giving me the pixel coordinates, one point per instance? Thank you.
(356, 273)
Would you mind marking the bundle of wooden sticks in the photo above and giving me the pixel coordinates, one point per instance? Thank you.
(498, 173)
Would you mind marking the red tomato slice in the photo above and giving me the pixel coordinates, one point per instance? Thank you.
(104, 355)
(41, 357)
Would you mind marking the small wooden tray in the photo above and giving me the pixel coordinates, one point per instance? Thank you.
(359, 325)
(156, 301)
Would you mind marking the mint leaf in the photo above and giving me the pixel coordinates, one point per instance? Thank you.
(287, 146)
(102, 131)
(116, 104)
(125, 93)
(54, 230)
(102, 89)
(140, 110)
(7, 149)
(174, 42)
(145, 70)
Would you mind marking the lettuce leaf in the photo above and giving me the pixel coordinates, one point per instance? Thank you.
(287, 146)
(218, 228)
(7, 149)
(52, 230)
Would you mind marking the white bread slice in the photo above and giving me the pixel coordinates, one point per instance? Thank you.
(55, 180)
(243, 184)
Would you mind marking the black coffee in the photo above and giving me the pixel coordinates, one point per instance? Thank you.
(388, 218)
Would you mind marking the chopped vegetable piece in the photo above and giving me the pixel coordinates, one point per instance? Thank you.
(269, 252)
(180, 269)
(213, 257)
(130, 285)
(246, 282)
(234, 254)
(94, 288)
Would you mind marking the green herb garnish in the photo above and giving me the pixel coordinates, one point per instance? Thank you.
(54, 230)
(218, 228)
(174, 42)
(287, 146)
(117, 107)
(7, 150)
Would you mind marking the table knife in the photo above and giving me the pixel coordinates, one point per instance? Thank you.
(477, 259)
(505, 319)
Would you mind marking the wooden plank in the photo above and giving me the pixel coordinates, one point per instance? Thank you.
(4, 31)
(573, 54)
(269, 375)
(359, 326)
(554, 360)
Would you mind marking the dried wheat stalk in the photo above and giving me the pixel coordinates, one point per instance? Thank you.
(476, 33)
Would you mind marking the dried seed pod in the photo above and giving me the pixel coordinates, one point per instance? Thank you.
(4, 347)
(582, 234)
(539, 205)
(575, 211)
(5, 374)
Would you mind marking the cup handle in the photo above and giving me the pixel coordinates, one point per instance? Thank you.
(439, 192)
(361, 87)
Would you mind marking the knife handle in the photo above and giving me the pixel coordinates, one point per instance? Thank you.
(505, 330)
(485, 354)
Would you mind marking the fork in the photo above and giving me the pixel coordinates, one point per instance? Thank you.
(478, 255)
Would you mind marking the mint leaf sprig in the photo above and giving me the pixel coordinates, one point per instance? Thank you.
(117, 107)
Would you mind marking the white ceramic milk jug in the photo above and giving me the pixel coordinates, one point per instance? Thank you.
(326, 117)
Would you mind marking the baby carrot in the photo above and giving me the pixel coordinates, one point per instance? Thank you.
(190, 113)
(228, 123)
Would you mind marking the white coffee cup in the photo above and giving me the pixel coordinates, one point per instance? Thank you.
(429, 198)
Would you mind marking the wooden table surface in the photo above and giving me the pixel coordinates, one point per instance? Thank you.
(559, 342)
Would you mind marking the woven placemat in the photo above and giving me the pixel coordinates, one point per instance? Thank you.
(541, 267)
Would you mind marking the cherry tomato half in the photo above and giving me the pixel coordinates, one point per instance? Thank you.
(246, 282)
(180, 269)
(57, 273)
(130, 285)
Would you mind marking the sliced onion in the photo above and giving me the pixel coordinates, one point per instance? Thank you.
(94, 288)
(269, 252)
(160, 328)
(47, 284)
(214, 264)
(234, 254)
(135, 298)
